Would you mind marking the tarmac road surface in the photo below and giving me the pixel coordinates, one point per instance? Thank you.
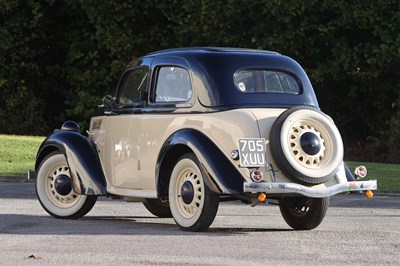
(355, 231)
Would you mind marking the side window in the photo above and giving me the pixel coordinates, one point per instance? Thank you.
(134, 86)
(173, 85)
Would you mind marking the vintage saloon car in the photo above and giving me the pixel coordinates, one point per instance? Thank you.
(190, 127)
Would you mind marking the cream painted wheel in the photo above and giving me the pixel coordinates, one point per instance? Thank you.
(303, 158)
(306, 145)
(193, 205)
(54, 189)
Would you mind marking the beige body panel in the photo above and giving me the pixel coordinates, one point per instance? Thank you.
(129, 145)
(266, 118)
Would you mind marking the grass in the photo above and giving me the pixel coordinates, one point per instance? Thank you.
(17, 156)
(388, 175)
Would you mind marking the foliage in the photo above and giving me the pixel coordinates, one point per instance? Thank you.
(59, 58)
(394, 136)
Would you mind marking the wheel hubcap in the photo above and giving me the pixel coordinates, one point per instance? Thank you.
(187, 192)
(310, 143)
(62, 184)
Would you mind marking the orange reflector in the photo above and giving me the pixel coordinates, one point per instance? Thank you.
(369, 194)
(262, 197)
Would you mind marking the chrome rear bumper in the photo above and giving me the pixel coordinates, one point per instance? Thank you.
(316, 192)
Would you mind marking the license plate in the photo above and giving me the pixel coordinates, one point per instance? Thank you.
(252, 152)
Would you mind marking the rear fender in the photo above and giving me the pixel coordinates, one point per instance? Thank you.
(349, 175)
(220, 174)
(83, 161)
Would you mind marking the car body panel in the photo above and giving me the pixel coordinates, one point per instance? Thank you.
(145, 134)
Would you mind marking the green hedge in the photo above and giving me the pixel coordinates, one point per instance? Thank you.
(59, 58)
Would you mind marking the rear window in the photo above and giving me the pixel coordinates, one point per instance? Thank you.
(250, 81)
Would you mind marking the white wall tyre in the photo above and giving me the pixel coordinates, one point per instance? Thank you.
(306, 145)
(193, 205)
(303, 213)
(55, 192)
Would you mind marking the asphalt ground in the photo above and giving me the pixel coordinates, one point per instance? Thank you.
(356, 231)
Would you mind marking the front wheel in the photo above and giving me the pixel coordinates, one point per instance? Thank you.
(193, 205)
(54, 189)
(302, 213)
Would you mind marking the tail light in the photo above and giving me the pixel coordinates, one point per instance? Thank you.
(256, 176)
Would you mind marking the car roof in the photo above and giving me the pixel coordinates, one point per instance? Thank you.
(196, 50)
(214, 69)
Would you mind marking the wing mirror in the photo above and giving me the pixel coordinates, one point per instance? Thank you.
(107, 102)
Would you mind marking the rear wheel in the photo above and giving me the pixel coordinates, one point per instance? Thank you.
(193, 205)
(303, 213)
(158, 207)
(54, 189)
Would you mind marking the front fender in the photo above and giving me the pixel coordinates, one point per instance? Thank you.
(220, 174)
(83, 161)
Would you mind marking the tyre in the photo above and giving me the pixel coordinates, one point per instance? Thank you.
(193, 205)
(158, 207)
(306, 145)
(302, 213)
(54, 189)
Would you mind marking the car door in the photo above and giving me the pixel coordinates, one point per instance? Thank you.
(141, 121)
(121, 151)
(170, 99)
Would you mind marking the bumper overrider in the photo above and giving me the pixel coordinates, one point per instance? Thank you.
(314, 192)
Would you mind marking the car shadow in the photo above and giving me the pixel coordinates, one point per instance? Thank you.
(21, 224)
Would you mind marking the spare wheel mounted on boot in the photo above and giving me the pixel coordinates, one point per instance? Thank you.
(306, 145)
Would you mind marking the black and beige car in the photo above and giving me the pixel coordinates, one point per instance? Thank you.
(189, 128)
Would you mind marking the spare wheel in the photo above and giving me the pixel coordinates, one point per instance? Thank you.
(306, 145)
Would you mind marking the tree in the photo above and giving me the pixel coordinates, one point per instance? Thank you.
(59, 58)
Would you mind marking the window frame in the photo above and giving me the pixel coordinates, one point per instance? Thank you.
(143, 99)
(294, 78)
(153, 94)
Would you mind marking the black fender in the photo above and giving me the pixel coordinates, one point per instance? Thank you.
(349, 175)
(82, 158)
(220, 174)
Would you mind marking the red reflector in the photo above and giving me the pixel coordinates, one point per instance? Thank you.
(256, 176)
